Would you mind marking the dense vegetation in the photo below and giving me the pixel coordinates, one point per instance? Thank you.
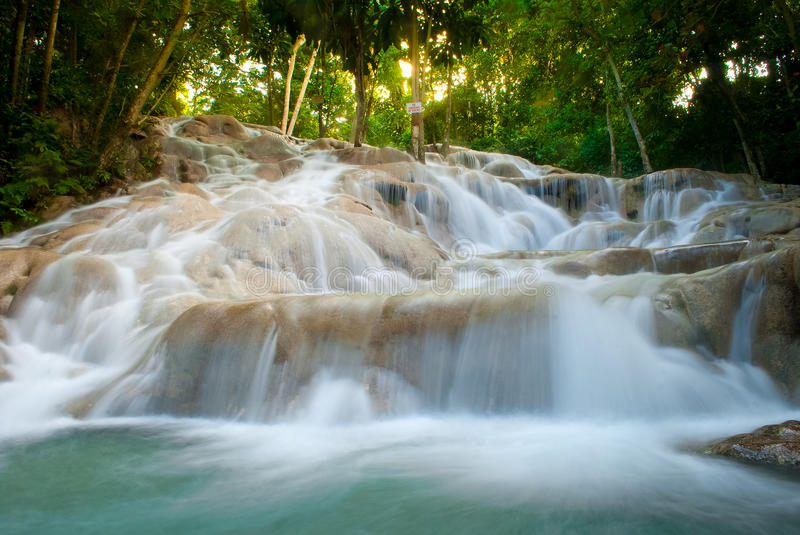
(615, 87)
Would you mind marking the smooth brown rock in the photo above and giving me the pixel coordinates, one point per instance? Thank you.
(191, 171)
(18, 267)
(188, 211)
(267, 148)
(698, 310)
(58, 205)
(191, 189)
(611, 261)
(371, 155)
(502, 168)
(220, 129)
(466, 158)
(751, 221)
(271, 172)
(369, 331)
(771, 444)
(56, 239)
(694, 258)
(326, 143)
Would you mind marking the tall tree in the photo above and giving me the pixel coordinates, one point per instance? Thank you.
(112, 80)
(19, 38)
(48, 54)
(131, 117)
(288, 91)
(306, 78)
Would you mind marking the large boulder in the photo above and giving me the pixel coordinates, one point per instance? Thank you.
(770, 444)
(611, 261)
(254, 360)
(214, 129)
(698, 311)
(267, 148)
(637, 189)
(58, 239)
(326, 143)
(18, 267)
(371, 155)
(503, 168)
(572, 192)
(750, 221)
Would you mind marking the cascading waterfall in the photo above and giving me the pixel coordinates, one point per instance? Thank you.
(349, 331)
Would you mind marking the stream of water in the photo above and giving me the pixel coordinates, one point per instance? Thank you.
(359, 359)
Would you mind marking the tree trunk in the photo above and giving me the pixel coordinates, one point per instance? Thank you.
(321, 114)
(270, 116)
(153, 78)
(73, 46)
(48, 55)
(448, 116)
(288, 93)
(639, 139)
(417, 144)
(368, 111)
(299, 103)
(19, 39)
(25, 74)
(361, 104)
(615, 171)
(115, 72)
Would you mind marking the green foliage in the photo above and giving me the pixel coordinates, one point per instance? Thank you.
(36, 163)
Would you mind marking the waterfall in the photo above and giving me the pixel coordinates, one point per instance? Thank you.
(308, 321)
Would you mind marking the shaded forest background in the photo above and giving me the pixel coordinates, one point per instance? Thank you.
(602, 86)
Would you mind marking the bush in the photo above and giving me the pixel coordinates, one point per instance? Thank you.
(36, 164)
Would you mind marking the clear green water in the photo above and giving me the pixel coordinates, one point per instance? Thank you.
(420, 476)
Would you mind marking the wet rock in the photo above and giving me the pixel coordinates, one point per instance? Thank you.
(398, 248)
(326, 143)
(188, 211)
(192, 172)
(157, 188)
(66, 281)
(550, 170)
(750, 221)
(181, 149)
(271, 172)
(290, 166)
(692, 199)
(267, 148)
(694, 258)
(54, 240)
(58, 205)
(772, 444)
(572, 192)
(502, 168)
(371, 155)
(191, 189)
(211, 352)
(434, 158)
(4, 375)
(18, 267)
(698, 310)
(215, 129)
(635, 189)
(611, 261)
(465, 158)
(350, 204)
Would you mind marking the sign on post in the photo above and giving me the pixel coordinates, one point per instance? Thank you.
(317, 99)
(414, 107)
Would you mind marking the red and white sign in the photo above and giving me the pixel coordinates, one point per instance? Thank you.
(414, 107)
